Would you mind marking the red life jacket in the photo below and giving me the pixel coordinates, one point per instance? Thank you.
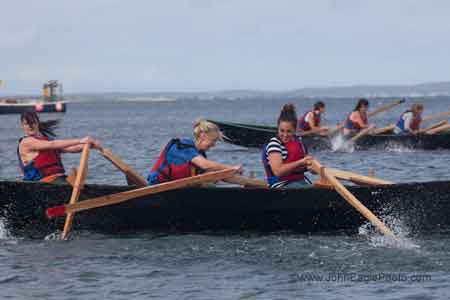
(296, 151)
(415, 124)
(349, 124)
(46, 163)
(304, 125)
(163, 171)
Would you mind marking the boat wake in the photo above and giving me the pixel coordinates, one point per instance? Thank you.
(398, 148)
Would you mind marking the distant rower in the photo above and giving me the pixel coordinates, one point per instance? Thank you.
(358, 119)
(310, 121)
(183, 158)
(39, 155)
(409, 121)
(285, 158)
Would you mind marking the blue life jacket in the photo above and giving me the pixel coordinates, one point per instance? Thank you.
(166, 170)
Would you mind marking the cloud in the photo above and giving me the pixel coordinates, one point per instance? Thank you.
(192, 44)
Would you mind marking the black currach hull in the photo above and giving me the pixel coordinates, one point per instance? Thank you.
(421, 207)
(257, 136)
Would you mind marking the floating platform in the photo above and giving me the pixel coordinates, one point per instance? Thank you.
(8, 107)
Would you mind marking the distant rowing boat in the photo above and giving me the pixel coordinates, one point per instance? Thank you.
(257, 136)
(421, 207)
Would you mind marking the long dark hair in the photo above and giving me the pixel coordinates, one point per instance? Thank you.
(47, 128)
(361, 102)
(288, 114)
(318, 105)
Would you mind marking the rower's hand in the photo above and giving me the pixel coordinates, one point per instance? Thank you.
(86, 140)
(238, 168)
(307, 160)
(96, 144)
(93, 142)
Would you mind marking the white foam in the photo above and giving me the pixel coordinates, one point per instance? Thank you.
(53, 236)
(4, 234)
(339, 143)
(401, 239)
(398, 148)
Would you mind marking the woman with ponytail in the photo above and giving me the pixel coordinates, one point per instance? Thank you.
(358, 119)
(39, 154)
(310, 121)
(285, 158)
(183, 158)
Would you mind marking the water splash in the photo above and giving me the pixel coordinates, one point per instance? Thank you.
(54, 236)
(339, 143)
(400, 241)
(4, 234)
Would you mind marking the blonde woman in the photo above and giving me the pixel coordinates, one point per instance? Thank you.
(183, 158)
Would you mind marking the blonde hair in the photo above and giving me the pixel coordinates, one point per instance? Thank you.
(208, 128)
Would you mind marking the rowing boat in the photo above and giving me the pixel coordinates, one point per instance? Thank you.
(420, 207)
(257, 136)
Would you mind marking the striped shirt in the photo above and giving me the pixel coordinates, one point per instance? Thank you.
(276, 146)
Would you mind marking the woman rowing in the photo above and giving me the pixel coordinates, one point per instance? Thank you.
(409, 121)
(183, 158)
(358, 119)
(310, 121)
(285, 158)
(39, 155)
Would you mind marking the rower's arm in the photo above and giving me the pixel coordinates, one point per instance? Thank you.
(209, 165)
(73, 149)
(280, 169)
(39, 145)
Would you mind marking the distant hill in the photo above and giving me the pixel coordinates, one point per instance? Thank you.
(379, 91)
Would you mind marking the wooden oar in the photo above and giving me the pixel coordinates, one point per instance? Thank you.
(132, 176)
(312, 131)
(360, 134)
(424, 130)
(247, 182)
(353, 140)
(136, 193)
(351, 199)
(438, 129)
(357, 178)
(382, 130)
(385, 107)
(77, 187)
(436, 116)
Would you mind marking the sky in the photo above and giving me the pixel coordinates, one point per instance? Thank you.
(209, 45)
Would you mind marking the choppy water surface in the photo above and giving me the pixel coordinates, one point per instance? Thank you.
(247, 266)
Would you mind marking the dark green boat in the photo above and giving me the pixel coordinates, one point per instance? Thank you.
(421, 207)
(257, 136)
